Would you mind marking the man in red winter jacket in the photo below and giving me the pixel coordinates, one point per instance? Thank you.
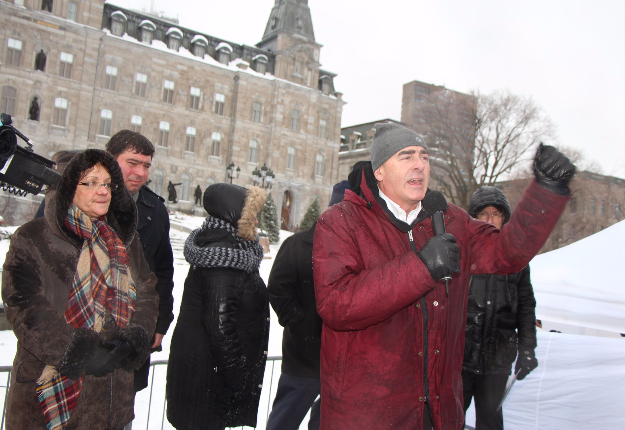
(393, 331)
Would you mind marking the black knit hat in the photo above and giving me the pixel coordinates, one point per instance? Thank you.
(489, 196)
(338, 192)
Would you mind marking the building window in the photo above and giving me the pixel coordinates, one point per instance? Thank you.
(593, 208)
(617, 211)
(46, 5)
(106, 118)
(65, 66)
(253, 152)
(189, 144)
(260, 64)
(573, 205)
(257, 112)
(9, 96)
(325, 87)
(72, 11)
(168, 91)
(14, 52)
(147, 31)
(135, 123)
(185, 181)
(298, 67)
(572, 232)
(174, 36)
(319, 165)
(158, 176)
(60, 112)
(199, 44)
(216, 138)
(118, 23)
(141, 82)
(220, 104)
(602, 209)
(19, 2)
(295, 120)
(194, 98)
(163, 134)
(110, 78)
(224, 56)
(323, 129)
(290, 158)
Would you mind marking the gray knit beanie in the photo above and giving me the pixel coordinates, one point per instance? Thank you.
(390, 138)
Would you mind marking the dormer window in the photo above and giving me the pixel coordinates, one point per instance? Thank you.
(260, 64)
(223, 52)
(118, 23)
(147, 31)
(325, 84)
(199, 44)
(174, 38)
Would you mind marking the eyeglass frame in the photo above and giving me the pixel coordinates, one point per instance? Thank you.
(94, 186)
(487, 215)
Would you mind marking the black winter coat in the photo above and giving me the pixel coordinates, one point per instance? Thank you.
(224, 315)
(153, 229)
(501, 315)
(292, 296)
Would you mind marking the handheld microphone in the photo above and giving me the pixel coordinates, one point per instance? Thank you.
(438, 224)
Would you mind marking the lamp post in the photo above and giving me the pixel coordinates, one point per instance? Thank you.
(263, 177)
(230, 170)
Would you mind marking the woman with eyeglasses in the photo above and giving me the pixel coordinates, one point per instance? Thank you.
(80, 298)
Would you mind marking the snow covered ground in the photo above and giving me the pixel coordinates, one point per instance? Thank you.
(578, 384)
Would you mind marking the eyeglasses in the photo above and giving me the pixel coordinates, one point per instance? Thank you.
(92, 185)
(486, 215)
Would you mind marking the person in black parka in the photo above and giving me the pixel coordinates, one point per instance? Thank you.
(219, 346)
(501, 320)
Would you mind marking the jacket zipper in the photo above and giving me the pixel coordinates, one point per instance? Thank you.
(424, 310)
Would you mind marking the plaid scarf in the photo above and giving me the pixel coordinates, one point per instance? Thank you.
(102, 283)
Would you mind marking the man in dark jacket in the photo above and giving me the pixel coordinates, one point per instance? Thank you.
(292, 297)
(393, 331)
(134, 153)
(501, 319)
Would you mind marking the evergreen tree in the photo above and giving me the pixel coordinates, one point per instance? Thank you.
(268, 220)
(313, 212)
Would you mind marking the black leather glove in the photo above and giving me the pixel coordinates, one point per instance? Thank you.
(525, 362)
(553, 170)
(120, 350)
(441, 255)
(100, 364)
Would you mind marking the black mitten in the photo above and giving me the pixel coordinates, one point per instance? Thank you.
(120, 351)
(100, 364)
(553, 170)
(525, 362)
(441, 255)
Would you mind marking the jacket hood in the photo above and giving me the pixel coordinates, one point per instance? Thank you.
(489, 196)
(236, 205)
(122, 213)
(364, 184)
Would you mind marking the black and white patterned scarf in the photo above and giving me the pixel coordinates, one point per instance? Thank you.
(244, 254)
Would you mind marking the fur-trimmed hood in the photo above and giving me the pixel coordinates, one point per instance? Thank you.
(122, 213)
(236, 205)
(489, 196)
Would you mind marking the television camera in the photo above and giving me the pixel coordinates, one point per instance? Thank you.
(21, 170)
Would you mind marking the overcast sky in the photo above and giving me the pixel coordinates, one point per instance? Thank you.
(567, 55)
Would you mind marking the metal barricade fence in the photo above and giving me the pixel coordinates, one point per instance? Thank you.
(150, 403)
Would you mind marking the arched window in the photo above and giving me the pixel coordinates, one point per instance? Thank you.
(163, 134)
(199, 44)
(135, 123)
(147, 31)
(186, 184)
(174, 38)
(260, 63)
(106, 118)
(9, 96)
(223, 51)
(189, 144)
(60, 112)
(118, 23)
(158, 175)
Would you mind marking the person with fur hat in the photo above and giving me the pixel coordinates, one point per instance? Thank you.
(219, 346)
(80, 298)
(393, 330)
(501, 320)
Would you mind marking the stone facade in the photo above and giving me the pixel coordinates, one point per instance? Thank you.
(204, 102)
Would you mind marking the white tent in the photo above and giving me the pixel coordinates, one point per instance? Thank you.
(583, 284)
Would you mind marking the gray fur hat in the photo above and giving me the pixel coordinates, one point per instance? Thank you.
(390, 138)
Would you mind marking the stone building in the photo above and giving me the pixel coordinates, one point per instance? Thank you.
(75, 72)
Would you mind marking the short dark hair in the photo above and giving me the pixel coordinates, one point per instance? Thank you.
(129, 140)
